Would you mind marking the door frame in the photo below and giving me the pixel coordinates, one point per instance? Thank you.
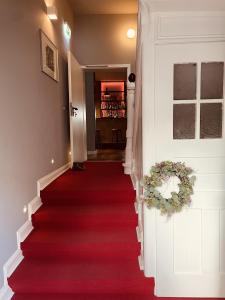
(109, 66)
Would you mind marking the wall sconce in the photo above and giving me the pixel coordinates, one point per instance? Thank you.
(67, 30)
(52, 12)
(131, 33)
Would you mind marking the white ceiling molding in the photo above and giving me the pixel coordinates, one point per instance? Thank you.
(185, 5)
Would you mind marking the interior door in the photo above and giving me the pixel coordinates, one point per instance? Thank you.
(77, 110)
(190, 129)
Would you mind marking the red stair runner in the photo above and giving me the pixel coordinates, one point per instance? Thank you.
(84, 244)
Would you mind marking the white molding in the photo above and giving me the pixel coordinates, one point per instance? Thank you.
(127, 168)
(12, 263)
(139, 235)
(6, 293)
(140, 261)
(199, 26)
(193, 6)
(23, 232)
(33, 206)
(109, 66)
(133, 179)
(136, 206)
(46, 180)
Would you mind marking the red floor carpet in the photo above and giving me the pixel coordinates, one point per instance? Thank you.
(84, 243)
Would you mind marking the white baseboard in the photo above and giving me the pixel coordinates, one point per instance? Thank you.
(140, 261)
(12, 263)
(23, 232)
(46, 180)
(127, 168)
(33, 206)
(136, 207)
(6, 293)
(139, 234)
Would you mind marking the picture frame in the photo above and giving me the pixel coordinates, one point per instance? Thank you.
(49, 57)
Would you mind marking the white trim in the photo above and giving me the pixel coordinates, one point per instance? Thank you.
(127, 168)
(46, 180)
(138, 231)
(11, 264)
(109, 66)
(140, 261)
(136, 206)
(33, 206)
(133, 179)
(23, 232)
(6, 293)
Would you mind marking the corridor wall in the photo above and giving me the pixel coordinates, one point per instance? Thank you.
(34, 125)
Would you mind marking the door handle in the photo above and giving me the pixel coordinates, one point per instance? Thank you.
(73, 110)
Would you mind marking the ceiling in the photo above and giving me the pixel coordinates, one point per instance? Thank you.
(82, 7)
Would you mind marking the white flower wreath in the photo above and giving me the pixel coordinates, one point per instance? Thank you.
(160, 173)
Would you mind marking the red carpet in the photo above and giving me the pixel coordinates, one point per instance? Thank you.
(84, 244)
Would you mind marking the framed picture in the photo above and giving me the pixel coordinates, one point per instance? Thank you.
(49, 57)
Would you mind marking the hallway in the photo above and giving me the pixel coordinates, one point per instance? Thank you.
(84, 244)
(107, 155)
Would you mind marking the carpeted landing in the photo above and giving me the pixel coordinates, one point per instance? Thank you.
(84, 243)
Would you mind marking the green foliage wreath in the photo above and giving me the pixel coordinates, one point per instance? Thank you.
(159, 174)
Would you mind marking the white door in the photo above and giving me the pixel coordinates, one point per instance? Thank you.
(190, 128)
(77, 110)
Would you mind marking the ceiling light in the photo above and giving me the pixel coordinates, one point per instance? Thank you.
(131, 33)
(52, 12)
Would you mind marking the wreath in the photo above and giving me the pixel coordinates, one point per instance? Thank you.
(159, 174)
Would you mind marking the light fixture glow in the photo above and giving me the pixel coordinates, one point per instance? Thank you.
(24, 209)
(131, 33)
(52, 12)
(52, 161)
(67, 30)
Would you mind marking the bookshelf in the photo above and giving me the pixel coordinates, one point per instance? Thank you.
(113, 100)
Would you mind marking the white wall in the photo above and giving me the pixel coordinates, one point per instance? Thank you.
(199, 35)
(33, 110)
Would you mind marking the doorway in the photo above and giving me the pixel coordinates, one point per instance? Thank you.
(106, 111)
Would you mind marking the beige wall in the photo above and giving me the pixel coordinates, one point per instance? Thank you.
(33, 111)
(101, 39)
(101, 75)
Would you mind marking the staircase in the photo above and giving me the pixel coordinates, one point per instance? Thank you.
(84, 243)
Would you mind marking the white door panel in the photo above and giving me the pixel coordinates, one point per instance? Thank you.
(78, 119)
(193, 264)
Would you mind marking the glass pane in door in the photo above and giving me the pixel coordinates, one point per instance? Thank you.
(211, 120)
(184, 121)
(212, 80)
(185, 81)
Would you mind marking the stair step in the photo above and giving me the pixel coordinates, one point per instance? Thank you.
(36, 276)
(65, 217)
(82, 244)
(83, 297)
(58, 197)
